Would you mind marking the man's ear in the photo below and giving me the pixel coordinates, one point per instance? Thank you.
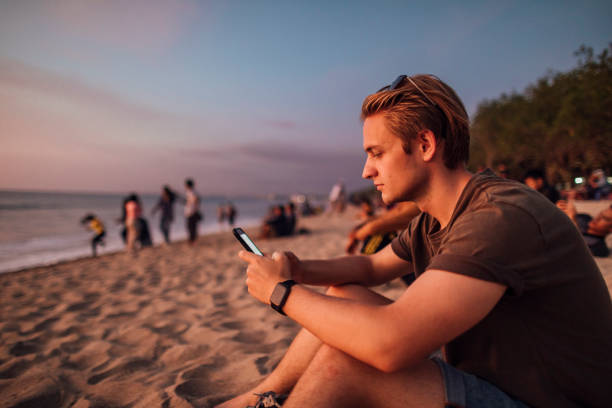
(426, 142)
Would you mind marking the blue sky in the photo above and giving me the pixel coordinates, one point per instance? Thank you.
(246, 96)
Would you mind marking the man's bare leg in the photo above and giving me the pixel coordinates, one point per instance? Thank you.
(335, 379)
(300, 353)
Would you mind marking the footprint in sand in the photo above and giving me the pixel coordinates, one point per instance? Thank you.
(235, 325)
(196, 388)
(172, 329)
(204, 370)
(44, 325)
(89, 313)
(250, 337)
(74, 346)
(122, 370)
(21, 348)
(220, 299)
(220, 278)
(15, 369)
(260, 363)
(18, 294)
(75, 307)
(121, 314)
(118, 286)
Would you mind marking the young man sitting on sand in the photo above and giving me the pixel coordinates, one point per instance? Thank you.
(505, 285)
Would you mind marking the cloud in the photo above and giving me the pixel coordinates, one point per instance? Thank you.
(119, 117)
(21, 77)
(136, 25)
(60, 132)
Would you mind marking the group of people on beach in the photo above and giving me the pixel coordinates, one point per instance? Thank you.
(280, 221)
(506, 308)
(135, 228)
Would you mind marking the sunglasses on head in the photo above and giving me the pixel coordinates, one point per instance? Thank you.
(398, 82)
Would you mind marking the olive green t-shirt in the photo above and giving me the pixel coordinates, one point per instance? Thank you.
(548, 341)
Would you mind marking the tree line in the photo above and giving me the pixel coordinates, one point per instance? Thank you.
(561, 124)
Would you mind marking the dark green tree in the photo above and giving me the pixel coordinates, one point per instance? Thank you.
(562, 123)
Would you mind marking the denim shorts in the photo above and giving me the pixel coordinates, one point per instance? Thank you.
(463, 390)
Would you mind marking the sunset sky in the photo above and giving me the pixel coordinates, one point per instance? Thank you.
(246, 96)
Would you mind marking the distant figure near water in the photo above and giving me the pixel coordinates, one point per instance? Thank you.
(133, 210)
(226, 212)
(166, 205)
(136, 227)
(337, 198)
(192, 210)
(230, 213)
(93, 223)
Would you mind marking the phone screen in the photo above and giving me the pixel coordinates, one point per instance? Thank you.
(246, 241)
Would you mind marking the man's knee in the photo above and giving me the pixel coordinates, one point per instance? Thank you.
(332, 363)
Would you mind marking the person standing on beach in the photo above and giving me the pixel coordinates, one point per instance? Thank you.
(133, 211)
(337, 198)
(192, 211)
(166, 205)
(505, 285)
(231, 213)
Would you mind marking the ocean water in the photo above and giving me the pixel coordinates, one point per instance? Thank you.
(39, 228)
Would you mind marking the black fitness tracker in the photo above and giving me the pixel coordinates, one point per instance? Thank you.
(280, 294)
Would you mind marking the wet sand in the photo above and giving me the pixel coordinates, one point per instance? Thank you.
(174, 327)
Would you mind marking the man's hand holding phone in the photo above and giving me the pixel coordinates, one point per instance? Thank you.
(263, 273)
(268, 277)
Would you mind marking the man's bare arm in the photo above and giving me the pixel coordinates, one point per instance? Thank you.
(395, 219)
(370, 270)
(435, 309)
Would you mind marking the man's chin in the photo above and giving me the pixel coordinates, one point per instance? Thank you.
(387, 200)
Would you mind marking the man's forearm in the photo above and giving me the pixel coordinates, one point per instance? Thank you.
(364, 335)
(348, 269)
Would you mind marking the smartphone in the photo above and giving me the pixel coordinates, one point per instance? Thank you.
(246, 241)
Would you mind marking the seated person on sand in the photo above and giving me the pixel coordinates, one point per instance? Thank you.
(593, 230)
(379, 231)
(376, 228)
(597, 186)
(505, 284)
(276, 224)
(366, 210)
(535, 179)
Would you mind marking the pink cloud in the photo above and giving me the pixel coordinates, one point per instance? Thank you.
(139, 25)
(38, 85)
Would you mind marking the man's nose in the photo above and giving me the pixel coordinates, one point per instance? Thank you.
(368, 170)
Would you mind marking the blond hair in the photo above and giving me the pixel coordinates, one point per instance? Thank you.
(424, 102)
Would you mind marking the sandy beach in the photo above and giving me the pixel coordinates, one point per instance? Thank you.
(174, 327)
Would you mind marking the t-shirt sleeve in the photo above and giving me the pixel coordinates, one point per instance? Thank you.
(401, 245)
(495, 243)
